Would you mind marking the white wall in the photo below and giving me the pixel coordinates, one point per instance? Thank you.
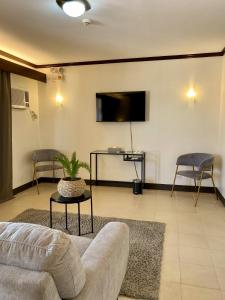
(222, 131)
(25, 132)
(175, 125)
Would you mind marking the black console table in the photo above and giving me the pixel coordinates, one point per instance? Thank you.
(127, 156)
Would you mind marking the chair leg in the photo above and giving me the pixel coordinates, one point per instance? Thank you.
(174, 182)
(195, 180)
(33, 177)
(198, 193)
(53, 171)
(36, 179)
(214, 187)
(213, 182)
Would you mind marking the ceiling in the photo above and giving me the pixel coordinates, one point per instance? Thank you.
(39, 31)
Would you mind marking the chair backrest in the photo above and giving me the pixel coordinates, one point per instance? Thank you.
(45, 155)
(204, 161)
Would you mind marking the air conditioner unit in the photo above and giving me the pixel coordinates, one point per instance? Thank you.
(20, 98)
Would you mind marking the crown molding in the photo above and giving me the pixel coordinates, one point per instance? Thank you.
(12, 67)
(135, 59)
(17, 59)
(223, 51)
(113, 61)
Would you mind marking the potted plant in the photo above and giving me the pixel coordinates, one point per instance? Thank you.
(71, 186)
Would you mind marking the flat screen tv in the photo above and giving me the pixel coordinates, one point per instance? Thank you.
(120, 107)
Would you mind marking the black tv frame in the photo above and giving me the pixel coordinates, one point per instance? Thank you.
(122, 93)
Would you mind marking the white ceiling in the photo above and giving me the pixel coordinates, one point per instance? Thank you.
(39, 31)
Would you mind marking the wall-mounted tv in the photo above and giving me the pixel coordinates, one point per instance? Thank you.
(120, 107)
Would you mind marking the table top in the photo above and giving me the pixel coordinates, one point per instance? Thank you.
(138, 153)
(56, 197)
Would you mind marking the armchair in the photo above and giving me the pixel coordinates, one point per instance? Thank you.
(202, 168)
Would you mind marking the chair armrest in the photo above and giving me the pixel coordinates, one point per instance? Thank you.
(105, 263)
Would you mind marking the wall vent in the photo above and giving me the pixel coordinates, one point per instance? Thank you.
(20, 99)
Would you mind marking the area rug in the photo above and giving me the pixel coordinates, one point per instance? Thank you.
(142, 279)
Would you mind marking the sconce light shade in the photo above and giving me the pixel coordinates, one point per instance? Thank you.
(74, 8)
(191, 94)
(58, 100)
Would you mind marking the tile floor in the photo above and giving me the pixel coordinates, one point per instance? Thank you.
(193, 266)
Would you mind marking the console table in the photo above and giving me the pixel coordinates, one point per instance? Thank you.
(126, 155)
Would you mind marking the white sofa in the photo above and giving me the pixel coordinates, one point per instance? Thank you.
(39, 263)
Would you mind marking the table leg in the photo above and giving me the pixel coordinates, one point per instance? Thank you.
(90, 172)
(92, 222)
(96, 169)
(144, 167)
(50, 213)
(79, 217)
(66, 216)
(143, 170)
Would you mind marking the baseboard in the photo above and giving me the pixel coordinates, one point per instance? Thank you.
(151, 186)
(180, 188)
(28, 185)
(111, 183)
(222, 199)
(22, 188)
(48, 180)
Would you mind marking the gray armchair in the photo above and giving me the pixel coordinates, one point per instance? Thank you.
(202, 168)
(47, 156)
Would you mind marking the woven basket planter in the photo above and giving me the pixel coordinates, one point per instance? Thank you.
(68, 187)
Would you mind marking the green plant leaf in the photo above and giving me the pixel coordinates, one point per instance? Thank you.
(74, 156)
(63, 159)
(85, 166)
(72, 166)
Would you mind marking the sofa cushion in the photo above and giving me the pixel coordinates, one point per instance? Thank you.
(40, 248)
(23, 284)
(82, 243)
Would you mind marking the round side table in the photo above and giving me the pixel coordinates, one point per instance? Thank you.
(56, 197)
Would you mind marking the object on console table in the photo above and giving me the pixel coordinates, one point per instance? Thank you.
(115, 150)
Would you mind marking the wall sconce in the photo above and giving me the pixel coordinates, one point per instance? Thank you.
(59, 100)
(191, 94)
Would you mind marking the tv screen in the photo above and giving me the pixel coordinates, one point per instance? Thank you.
(120, 107)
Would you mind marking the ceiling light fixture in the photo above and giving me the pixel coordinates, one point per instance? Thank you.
(74, 8)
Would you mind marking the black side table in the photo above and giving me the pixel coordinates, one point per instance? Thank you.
(56, 197)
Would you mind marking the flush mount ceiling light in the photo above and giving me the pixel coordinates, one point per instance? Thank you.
(74, 8)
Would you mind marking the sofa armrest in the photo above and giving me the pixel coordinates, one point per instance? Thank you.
(105, 263)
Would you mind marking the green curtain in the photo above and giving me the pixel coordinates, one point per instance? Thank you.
(6, 191)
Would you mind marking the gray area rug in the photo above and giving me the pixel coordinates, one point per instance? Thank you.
(142, 279)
